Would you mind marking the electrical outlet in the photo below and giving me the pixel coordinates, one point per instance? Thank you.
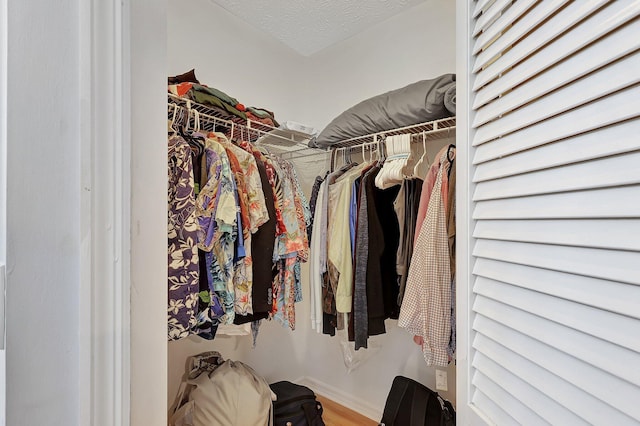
(441, 380)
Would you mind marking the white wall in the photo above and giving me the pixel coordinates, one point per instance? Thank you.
(148, 20)
(414, 45)
(234, 57)
(43, 241)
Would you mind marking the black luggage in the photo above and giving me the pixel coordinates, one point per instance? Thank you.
(296, 405)
(410, 403)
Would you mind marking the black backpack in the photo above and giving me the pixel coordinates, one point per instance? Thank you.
(410, 403)
(296, 405)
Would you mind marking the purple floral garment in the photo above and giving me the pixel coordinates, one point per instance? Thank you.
(183, 272)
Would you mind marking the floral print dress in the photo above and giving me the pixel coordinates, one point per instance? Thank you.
(254, 214)
(219, 220)
(291, 247)
(183, 269)
(216, 212)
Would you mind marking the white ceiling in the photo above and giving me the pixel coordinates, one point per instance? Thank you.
(309, 26)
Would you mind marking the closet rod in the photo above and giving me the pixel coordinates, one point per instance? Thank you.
(430, 130)
(368, 147)
(302, 153)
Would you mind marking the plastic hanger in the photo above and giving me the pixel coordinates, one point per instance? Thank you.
(196, 121)
(405, 171)
(185, 123)
(171, 129)
(404, 142)
(332, 160)
(417, 169)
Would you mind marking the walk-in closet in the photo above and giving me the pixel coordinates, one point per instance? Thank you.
(312, 87)
(546, 192)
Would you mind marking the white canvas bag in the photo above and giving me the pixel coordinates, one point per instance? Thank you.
(232, 394)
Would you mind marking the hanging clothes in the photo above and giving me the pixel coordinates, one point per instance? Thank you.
(312, 202)
(406, 207)
(253, 213)
(451, 234)
(216, 210)
(384, 236)
(262, 242)
(315, 270)
(241, 203)
(360, 301)
(427, 188)
(292, 246)
(331, 275)
(183, 265)
(426, 307)
(242, 272)
(339, 246)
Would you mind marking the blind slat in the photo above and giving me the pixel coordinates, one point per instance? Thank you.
(602, 173)
(518, 411)
(490, 15)
(620, 138)
(575, 399)
(575, 315)
(596, 352)
(610, 265)
(591, 380)
(553, 28)
(612, 47)
(597, 383)
(491, 409)
(615, 77)
(522, 63)
(594, 233)
(612, 109)
(607, 295)
(480, 5)
(537, 15)
(502, 24)
(597, 203)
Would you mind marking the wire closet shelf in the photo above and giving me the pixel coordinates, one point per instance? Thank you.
(280, 141)
(427, 131)
(293, 144)
(430, 130)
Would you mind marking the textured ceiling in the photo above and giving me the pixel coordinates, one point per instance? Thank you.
(308, 26)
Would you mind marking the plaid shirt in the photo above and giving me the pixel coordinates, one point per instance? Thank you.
(426, 307)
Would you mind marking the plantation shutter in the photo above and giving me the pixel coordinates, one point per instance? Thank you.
(554, 292)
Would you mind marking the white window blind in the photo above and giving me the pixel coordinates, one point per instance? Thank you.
(554, 306)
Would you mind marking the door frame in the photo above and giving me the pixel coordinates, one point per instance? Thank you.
(3, 203)
(123, 291)
(466, 413)
(105, 182)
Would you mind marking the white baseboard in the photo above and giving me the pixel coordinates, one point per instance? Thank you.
(341, 397)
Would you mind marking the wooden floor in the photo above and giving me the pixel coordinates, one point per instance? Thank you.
(336, 415)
